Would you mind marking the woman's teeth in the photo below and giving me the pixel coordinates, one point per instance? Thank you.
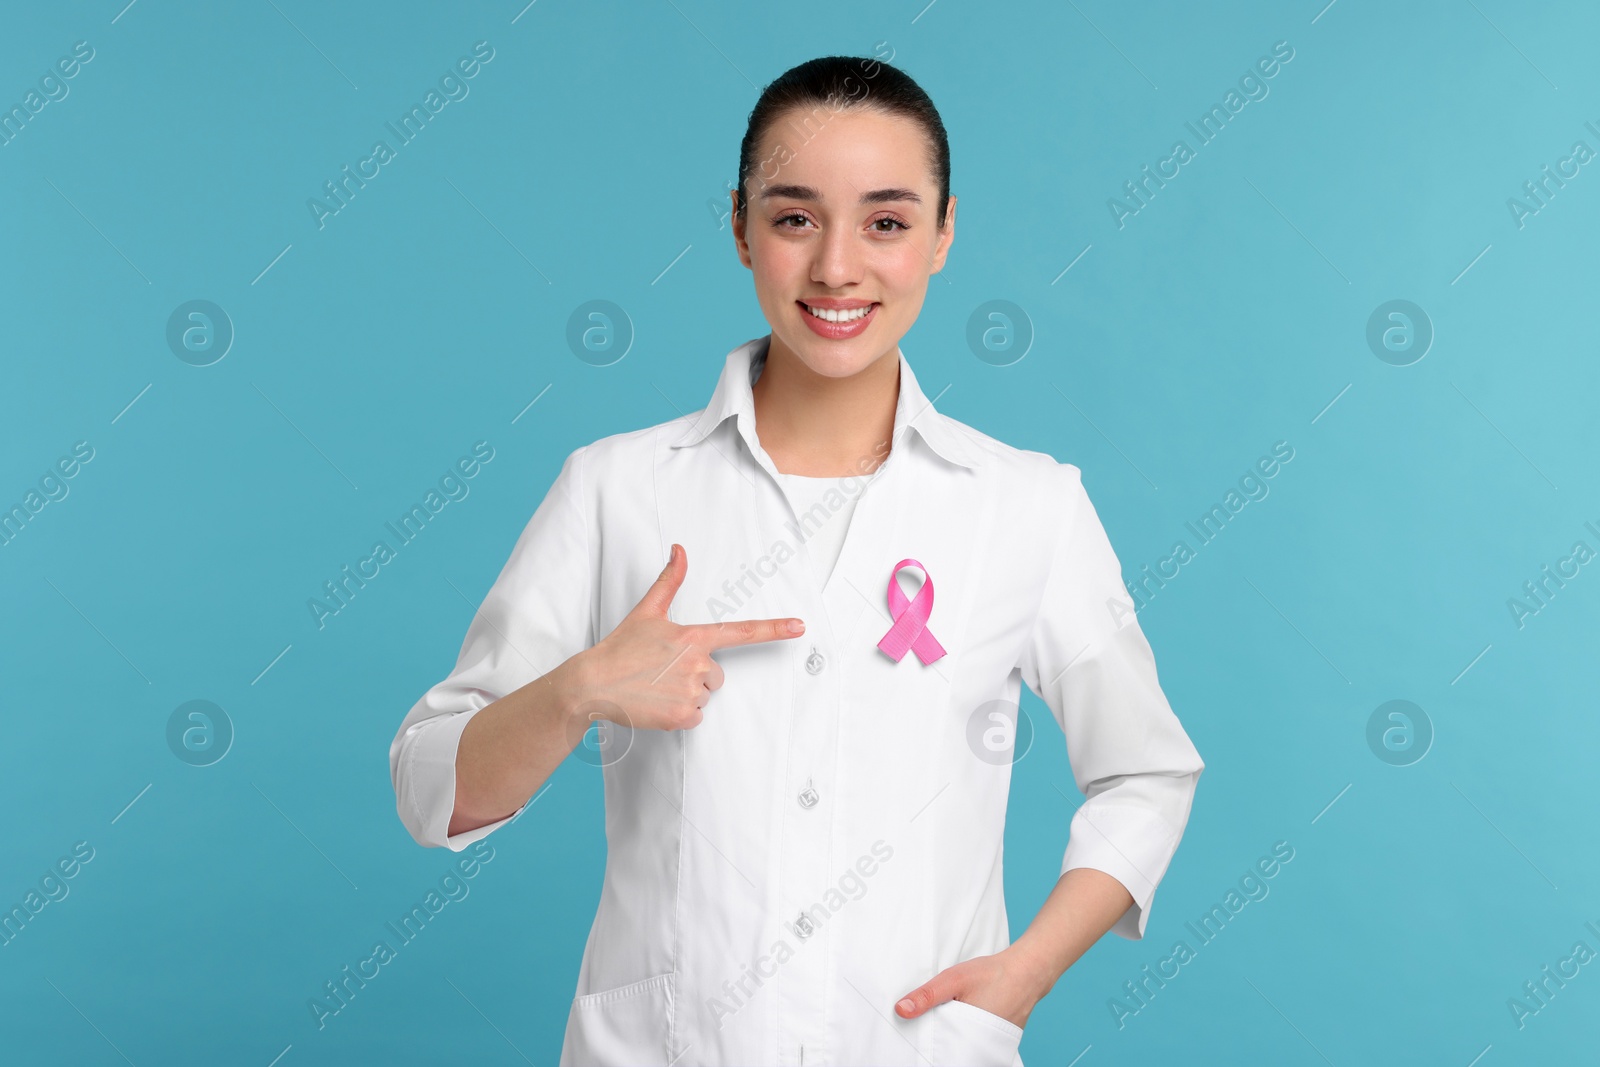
(849, 315)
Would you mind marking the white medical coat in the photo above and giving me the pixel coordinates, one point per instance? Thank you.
(829, 837)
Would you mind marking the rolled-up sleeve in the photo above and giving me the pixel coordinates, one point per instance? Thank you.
(535, 617)
(1087, 658)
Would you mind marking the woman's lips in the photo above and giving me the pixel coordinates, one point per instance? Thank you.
(837, 331)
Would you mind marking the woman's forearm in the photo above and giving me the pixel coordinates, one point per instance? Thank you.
(509, 748)
(1084, 904)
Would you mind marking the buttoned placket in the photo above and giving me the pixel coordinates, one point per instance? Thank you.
(805, 844)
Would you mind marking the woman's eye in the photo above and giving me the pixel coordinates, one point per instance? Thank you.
(888, 225)
(792, 222)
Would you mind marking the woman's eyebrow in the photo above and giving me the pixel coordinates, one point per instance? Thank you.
(805, 192)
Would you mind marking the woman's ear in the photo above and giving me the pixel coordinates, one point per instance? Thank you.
(946, 235)
(738, 220)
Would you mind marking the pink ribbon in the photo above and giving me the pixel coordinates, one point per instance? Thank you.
(910, 629)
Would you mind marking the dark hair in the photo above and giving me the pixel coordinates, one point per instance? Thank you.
(840, 82)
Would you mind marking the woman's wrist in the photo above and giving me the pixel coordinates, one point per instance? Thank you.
(1037, 966)
(571, 688)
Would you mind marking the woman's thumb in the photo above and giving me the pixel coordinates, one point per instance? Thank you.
(658, 598)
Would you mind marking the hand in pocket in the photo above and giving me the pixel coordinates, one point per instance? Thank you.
(1004, 984)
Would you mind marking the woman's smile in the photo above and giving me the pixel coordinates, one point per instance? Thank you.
(837, 319)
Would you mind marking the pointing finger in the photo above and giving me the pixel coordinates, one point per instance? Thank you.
(749, 632)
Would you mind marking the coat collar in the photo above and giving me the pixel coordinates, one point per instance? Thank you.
(733, 397)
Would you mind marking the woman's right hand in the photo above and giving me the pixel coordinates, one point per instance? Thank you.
(651, 673)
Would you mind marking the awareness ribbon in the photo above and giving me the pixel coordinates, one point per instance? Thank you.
(910, 629)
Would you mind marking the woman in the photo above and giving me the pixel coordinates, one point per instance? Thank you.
(806, 753)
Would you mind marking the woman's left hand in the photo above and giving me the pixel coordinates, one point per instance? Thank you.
(1008, 984)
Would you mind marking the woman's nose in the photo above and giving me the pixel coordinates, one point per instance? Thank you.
(839, 260)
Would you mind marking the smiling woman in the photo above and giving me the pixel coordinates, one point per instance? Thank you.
(849, 261)
(743, 767)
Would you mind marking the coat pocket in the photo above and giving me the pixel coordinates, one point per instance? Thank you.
(968, 1036)
(622, 1027)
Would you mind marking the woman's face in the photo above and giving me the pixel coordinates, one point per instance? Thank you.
(842, 219)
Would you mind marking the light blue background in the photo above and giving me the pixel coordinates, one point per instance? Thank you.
(1225, 316)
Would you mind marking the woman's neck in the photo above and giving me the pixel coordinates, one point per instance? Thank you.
(822, 427)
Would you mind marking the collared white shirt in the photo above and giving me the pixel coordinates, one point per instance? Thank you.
(829, 837)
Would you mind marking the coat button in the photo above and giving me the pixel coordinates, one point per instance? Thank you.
(809, 796)
(804, 926)
(814, 661)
